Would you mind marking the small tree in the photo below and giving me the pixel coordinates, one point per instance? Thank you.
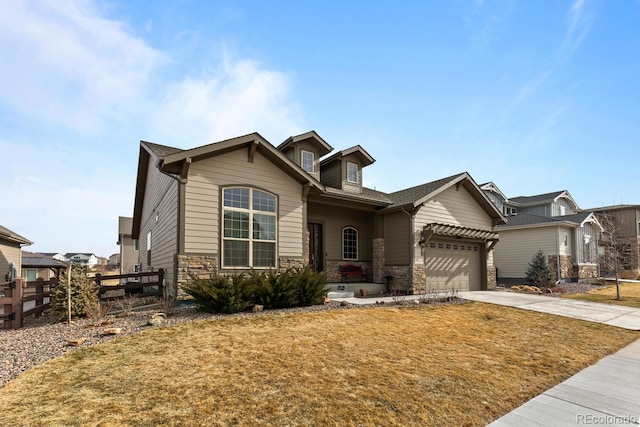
(84, 294)
(539, 273)
(618, 251)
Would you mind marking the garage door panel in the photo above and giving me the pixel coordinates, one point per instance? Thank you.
(453, 265)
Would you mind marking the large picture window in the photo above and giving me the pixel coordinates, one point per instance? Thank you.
(349, 243)
(249, 228)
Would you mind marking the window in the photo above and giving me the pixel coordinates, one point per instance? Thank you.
(349, 243)
(352, 172)
(249, 228)
(135, 244)
(308, 161)
(148, 249)
(563, 210)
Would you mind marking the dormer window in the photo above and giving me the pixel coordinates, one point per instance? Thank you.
(307, 161)
(352, 172)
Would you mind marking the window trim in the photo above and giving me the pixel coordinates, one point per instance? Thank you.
(313, 161)
(357, 180)
(357, 238)
(250, 239)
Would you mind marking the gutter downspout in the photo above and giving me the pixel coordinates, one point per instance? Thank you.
(411, 244)
(558, 256)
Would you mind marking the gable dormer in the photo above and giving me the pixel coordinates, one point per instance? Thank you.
(343, 170)
(305, 150)
(558, 203)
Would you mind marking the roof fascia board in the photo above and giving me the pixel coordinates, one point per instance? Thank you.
(593, 220)
(569, 224)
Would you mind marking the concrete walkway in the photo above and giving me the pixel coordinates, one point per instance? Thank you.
(604, 394)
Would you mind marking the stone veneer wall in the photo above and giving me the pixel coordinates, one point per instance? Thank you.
(201, 266)
(400, 275)
(419, 279)
(585, 271)
(492, 277)
(333, 270)
(566, 266)
(291, 263)
(378, 260)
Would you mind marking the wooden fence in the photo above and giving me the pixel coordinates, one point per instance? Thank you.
(14, 295)
(133, 283)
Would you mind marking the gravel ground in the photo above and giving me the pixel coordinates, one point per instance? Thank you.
(41, 340)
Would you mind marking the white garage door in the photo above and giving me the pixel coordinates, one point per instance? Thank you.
(453, 266)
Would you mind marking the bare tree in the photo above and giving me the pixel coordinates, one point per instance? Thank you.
(617, 247)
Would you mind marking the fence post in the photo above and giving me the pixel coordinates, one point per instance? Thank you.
(16, 303)
(39, 291)
(163, 291)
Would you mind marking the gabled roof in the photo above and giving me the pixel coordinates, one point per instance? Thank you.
(491, 186)
(70, 254)
(38, 260)
(367, 196)
(416, 196)
(175, 161)
(8, 235)
(322, 145)
(364, 157)
(541, 199)
(613, 208)
(525, 220)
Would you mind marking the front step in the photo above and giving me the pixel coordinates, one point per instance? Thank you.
(340, 294)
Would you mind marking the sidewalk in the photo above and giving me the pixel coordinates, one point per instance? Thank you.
(604, 394)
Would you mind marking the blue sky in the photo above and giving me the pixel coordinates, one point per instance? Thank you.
(536, 96)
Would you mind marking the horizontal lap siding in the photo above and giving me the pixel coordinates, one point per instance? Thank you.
(161, 198)
(453, 207)
(516, 248)
(9, 252)
(202, 204)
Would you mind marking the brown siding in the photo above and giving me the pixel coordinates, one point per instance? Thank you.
(331, 176)
(334, 219)
(455, 207)
(396, 238)
(161, 198)
(9, 252)
(202, 205)
(515, 249)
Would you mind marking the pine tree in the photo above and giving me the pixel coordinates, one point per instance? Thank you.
(84, 293)
(539, 273)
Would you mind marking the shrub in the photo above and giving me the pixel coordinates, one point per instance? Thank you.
(539, 273)
(84, 294)
(220, 294)
(273, 289)
(310, 285)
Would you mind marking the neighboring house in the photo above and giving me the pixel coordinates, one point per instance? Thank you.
(128, 246)
(55, 255)
(83, 258)
(114, 261)
(243, 203)
(550, 222)
(39, 266)
(11, 254)
(625, 218)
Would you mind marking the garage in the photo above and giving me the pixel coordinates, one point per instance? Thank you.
(453, 265)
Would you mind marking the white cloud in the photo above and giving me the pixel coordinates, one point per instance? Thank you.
(238, 98)
(578, 25)
(70, 66)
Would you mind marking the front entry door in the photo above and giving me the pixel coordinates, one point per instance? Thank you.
(316, 249)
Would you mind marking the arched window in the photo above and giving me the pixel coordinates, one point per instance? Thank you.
(249, 228)
(349, 243)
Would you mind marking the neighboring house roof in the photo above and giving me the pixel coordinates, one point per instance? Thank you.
(542, 199)
(613, 208)
(526, 220)
(491, 186)
(8, 235)
(364, 157)
(324, 147)
(68, 255)
(38, 260)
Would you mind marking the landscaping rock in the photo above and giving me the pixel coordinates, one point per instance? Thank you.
(112, 331)
(325, 300)
(364, 292)
(76, 342)
(257, 308)
(343, 303)
(157, 319)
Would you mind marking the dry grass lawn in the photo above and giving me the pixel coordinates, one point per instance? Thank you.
(456, 365)
(629, 293)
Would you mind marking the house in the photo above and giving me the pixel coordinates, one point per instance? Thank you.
(39, 266)
(11, 254)
(243, 203)
(55, 255)
(626, 220)
(550, 222)
(83, 258)
(128, 246)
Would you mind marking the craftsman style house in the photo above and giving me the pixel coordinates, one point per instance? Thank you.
(550, 222)
(244, 203)
(625, 221)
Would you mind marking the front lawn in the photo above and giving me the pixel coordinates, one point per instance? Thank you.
(464, 364)
(629, 293)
